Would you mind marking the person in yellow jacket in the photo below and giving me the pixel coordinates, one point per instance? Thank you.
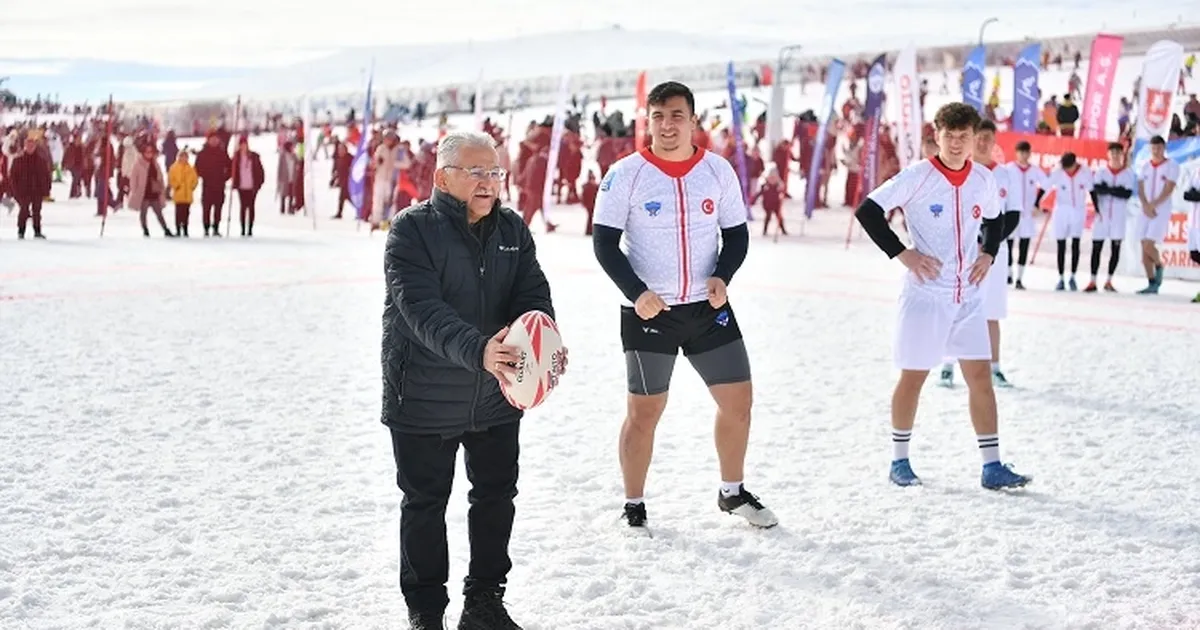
(182, 180)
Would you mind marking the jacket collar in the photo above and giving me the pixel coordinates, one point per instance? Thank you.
(455, 209)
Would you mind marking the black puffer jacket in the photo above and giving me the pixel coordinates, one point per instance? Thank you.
(447, 294)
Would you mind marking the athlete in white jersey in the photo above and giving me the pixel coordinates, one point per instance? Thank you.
(1027, 186)
(994, 287)
(947, 200)
(1114, 185)
(1156, 182)
(1072, 185)
(683, 217)
(1190, 183)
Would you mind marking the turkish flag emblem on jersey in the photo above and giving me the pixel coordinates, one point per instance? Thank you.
(1158, 107)
(708, 206)
(976, 211)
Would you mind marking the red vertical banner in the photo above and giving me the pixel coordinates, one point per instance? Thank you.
(1102, 69)
(639, 125)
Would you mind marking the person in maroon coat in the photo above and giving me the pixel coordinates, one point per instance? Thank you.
(340, 178)
(588, 197)
(248, 178)
(772, 194)
(30, 180)
(213, 167)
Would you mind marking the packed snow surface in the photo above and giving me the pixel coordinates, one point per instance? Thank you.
(191, 439)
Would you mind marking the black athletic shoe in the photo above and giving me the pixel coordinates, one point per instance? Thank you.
(485, 611)
(426, 621)
(747, 506)
(635, 513)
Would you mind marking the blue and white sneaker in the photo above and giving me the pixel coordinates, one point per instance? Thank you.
(1151, 289)
(999, 380)
(997, 476)
(1071, 284)
(946, 379)
(1061, 286)
(902, 474)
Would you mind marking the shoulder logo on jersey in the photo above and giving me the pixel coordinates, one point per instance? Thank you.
(608, 180)
(976, 211)
(1003, 193)
(722, 318)
(652, 208)
(936, 209)
(708, 206)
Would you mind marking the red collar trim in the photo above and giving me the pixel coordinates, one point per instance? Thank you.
(956, 178)
(674, 168)
(1158, 163)
(1114, 171)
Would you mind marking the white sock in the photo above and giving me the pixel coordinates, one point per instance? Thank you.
(900, 438)
(730, 488)
(995, 366)
(1020, 272)
(989, 448)
(637, 501)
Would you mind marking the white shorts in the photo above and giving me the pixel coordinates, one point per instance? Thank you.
(1147, 229)
(994, 288)
(932, 328)
(1109, 230)
(1027, 228)
(1068, 223)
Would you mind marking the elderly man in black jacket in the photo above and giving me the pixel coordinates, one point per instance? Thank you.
(459, 270)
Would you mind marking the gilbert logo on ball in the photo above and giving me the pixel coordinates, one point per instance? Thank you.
(536, 337)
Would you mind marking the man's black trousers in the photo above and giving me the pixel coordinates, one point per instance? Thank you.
(424, 471)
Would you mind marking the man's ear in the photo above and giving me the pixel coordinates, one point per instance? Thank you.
(439, 179)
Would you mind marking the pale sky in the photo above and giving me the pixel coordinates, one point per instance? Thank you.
(46, 38)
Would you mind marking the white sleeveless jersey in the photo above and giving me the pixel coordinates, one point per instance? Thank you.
(1191, 179)
(1024, 183)
(1071, 190)
(1154, 177)
(672, 214)
(944, 210)
(1111, 207)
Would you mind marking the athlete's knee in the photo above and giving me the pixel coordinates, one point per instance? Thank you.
(977, 374)
(734, 400)
(911, 381)
(644, 412)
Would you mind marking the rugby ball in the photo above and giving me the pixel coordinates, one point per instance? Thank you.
(535, 335)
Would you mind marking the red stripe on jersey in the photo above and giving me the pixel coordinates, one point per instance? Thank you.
(673, 168)
(685, 272)
(958, 246)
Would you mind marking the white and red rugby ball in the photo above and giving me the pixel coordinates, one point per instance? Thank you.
(536, 336)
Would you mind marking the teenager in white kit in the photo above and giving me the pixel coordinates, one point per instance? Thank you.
(947, 201)
(1072, 185)
(995, 286)
(681, 213)
(1156, 182)
(1114, 185)
(1028, 184)
(1190, 182)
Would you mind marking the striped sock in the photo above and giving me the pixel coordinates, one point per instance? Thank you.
(989, 448)
(900, 438)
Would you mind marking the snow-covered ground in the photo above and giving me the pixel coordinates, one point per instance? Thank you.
(191, 440)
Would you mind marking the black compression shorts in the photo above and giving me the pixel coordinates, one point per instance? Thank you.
(709, 337)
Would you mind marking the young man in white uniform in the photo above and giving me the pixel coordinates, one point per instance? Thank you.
(1156, 182)
(994, 287)
(1072, 184)
(1190, 182)
(1028, 184)
(681, 212)
(1114, 185)
(947, 201)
